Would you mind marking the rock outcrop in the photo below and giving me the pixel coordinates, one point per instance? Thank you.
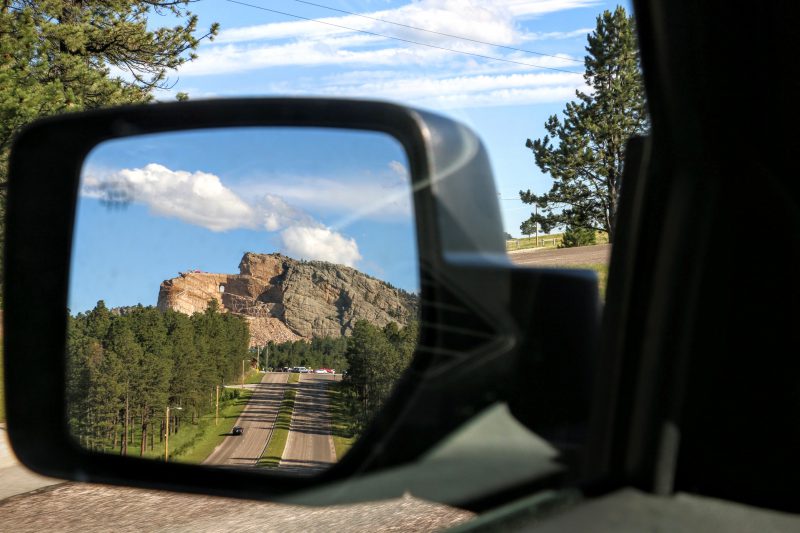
(285, 299)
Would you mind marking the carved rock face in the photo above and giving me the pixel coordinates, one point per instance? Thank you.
(285, 299)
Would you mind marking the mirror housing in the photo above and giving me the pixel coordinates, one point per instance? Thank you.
(476, 308)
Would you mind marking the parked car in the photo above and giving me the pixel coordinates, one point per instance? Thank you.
(237, 430)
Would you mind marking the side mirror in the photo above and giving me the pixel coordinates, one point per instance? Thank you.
(478, 317)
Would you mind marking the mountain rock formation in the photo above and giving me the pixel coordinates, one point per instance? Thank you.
(285, 299)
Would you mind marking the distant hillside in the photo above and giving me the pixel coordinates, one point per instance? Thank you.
(286, 299)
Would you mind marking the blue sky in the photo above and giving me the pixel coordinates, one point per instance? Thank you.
(260, 53)
(156, 205)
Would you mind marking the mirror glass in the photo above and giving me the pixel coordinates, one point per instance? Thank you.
(240, 297)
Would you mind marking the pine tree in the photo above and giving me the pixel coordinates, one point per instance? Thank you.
(68, 55)
(587, 163)
(578, 237)
(186, 388)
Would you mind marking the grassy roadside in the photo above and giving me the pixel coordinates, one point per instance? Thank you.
(193, 443)
(601, 269)
(253, 377)
(551, 240)
(272, 454)
(545, 241)
(294, 378)
(343, 436)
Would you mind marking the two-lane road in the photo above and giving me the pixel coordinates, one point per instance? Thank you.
(257, 420)
(309, 446)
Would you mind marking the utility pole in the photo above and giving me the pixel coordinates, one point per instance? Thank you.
(216, 418)
(536, 224)
(266, 359)
(243, 360)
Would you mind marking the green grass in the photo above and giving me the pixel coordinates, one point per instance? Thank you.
(294, 378)
(546, 241)
(601, 269)
(343, 435)
(271, 457)
(254, 376)
(195, 442)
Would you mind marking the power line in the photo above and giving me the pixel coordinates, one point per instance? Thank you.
(461, 37)
(401, 39)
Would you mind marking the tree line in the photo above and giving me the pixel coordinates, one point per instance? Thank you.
(320, 352)
(376, 359)
(126, 366)
(372, 357)
(124, 370)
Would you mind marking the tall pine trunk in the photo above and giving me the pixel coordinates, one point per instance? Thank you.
(124, 449)
(143, 442)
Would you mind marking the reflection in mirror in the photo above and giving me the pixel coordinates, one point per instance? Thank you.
(240, 297)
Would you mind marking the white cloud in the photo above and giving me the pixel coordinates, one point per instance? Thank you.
(535, 8)
(319, 243)
(275, 213)
(361, 65)
(327, 42)
(453, 92)
(384, 197)
(485, 21)
(502, 97)
(234, 58)
(476, 20)
(198, 198)
(400, 170)
(555, 35)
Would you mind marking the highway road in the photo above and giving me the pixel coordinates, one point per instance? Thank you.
(309, 446)
(32, 503)
(257, 420)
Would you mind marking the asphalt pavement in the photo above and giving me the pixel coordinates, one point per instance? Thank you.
(33, 503)
(309, 446)
(257, 420)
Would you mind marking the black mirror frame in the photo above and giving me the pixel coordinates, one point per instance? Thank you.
(45, 168)
(471, 340)
(44, 173)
